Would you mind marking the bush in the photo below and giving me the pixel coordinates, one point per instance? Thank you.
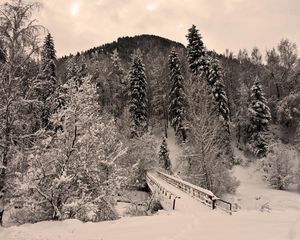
(278, 166)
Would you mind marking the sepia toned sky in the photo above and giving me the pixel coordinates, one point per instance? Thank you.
(224, 24)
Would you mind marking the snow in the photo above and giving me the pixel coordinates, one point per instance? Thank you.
(190, 220)
(174, 149)
(253, 192)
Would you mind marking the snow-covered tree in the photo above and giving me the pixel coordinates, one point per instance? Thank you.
(72, 173)
(75, 71)
(46, 82)
(278, 166)
(138, 98)
(142, 156)
(288, 110)
(48, 79)
(196, 52)
(259, 120)
(205, 161)
(19, 37)
(176, 97)
(209, 68)
(218, 91)
(164, 158)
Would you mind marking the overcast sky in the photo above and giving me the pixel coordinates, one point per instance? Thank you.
(224, 24)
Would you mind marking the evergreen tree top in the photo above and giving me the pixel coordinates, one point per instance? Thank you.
(174, 62)
(196, 51)
(164, 143)
(194, 36)
(259, 109)
(137, 70)
(215, 71)
(257, 91)
(164, 151)
(48, 51)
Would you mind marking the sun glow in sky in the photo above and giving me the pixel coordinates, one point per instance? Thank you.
(75, 7)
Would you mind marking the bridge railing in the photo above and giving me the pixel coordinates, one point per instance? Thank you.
(167, 195)
(224, 205)
(203, 195)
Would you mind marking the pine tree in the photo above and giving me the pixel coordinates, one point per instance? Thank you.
(176, 97)
(164, 155)
(196, 52)
(47, 80)
(218, 91)
(138, 98)
(259, 120)
(47, 77)
(209, 68)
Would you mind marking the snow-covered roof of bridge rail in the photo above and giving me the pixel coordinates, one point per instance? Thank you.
(205, 191)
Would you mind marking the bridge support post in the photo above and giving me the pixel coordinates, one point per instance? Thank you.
(213, 204)
(174, 203)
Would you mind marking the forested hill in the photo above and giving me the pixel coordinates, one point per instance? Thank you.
(154, 49)
(98, 63)
(278, 72)
(126, 45)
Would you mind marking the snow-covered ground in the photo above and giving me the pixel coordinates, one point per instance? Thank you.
(175, 150)
(255, 194)
(191, 220)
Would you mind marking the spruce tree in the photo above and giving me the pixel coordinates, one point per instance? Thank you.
(218, 90)
(138, 98)
(47, 80)
(259, 120)
(48, 68)
(207, 67)
(164, 155)
(176, 97)
(196, 52)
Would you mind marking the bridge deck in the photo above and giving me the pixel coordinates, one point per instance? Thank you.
(186, 203)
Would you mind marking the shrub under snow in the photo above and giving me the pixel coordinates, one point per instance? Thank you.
(278, 166)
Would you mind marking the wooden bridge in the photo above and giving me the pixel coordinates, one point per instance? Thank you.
(169, 190)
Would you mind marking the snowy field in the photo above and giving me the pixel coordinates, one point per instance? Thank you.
(191, 220)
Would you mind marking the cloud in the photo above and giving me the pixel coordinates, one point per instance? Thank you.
(227, 24)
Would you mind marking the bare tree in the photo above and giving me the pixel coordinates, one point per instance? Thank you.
(206, 160)
(281, 66)
(19, 35)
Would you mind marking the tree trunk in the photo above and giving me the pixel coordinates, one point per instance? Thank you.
(3, 171)
(278, 91)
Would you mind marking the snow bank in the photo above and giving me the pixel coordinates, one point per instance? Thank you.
(206, 224)
(191, 220)
(255, 194)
